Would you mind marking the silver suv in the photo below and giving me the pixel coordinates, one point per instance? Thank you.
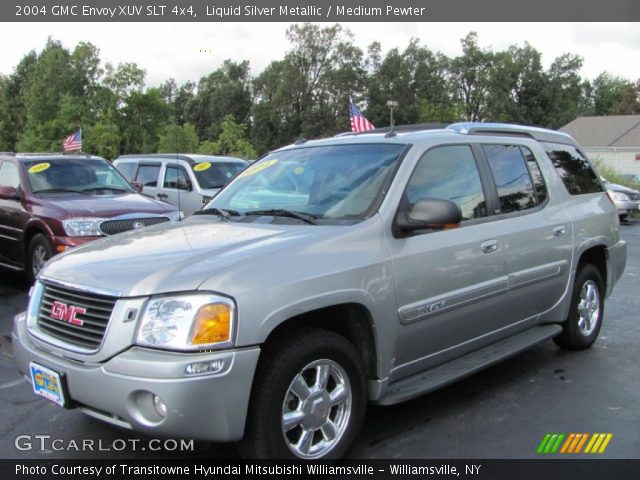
(186, 181)
(363, 268)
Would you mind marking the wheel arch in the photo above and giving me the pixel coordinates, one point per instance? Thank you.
(352, 320)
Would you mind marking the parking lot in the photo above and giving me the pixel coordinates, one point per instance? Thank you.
(503, 412)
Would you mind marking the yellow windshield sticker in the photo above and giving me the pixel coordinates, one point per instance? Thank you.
(202, 166)
(40, 167)
(258, 168)
(298, 170)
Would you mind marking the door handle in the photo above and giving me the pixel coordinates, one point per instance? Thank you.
(560, 231)
(489, 246)
(162, 195)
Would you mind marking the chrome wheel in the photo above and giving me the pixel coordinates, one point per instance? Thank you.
(38, 259)
(588, 308)
(316, 409)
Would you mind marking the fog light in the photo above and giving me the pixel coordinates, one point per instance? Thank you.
(161, 408)
(198, 368)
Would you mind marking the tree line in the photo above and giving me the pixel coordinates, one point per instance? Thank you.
(52, 93)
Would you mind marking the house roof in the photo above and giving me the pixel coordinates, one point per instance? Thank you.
(607, 131)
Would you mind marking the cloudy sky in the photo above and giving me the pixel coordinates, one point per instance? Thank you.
(188, 51)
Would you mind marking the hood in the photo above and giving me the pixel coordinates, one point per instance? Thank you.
(169, 258)
(107, 205)
(619, 188)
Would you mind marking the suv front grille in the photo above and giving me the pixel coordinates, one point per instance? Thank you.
(634, 196)
(75, 317)
(112, 227)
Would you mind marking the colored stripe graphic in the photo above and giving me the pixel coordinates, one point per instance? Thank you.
(550, 443)
(574, 443)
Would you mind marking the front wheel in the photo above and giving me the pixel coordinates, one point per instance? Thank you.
(587, 308)
(308, 400)
(39, 251)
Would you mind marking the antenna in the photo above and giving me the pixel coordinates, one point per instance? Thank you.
(391, 104)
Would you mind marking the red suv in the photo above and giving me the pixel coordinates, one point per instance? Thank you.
(52, 202)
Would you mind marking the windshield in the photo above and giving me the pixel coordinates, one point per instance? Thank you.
(329, 182)
(76, 175)
(216, 174)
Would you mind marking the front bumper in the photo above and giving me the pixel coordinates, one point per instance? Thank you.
(120, 391)
(625, 208)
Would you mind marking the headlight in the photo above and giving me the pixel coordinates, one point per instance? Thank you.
(175, 216)
(82, 227)
(620, 197)
(187, 322)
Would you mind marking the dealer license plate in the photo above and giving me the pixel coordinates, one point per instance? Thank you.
(47, 383)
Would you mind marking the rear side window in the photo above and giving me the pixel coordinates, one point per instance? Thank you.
(127, 169)
(510, 173)
(148, 175)
(449, 172)
(9, 176)
(574, 169)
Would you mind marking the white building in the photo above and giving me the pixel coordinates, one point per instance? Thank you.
(614, 140)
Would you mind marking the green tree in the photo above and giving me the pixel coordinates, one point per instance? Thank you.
(517, 83)
(178, 139)
(232, 141)
(226, 91)
(102, 139)
(606, 94)
(470, 78)
(142, 119)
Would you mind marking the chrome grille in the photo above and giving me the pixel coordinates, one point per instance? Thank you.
(634, 196)
(94, 320)
(112, 227)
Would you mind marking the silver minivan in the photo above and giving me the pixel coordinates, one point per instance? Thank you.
(187, 181)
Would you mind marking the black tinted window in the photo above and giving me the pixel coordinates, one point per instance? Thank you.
(574, 169)
(148, 175)
(9, 176)
(510, 173)
(450, 173)
(536, 175)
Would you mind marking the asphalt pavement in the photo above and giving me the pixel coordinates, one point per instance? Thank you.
(502, 412)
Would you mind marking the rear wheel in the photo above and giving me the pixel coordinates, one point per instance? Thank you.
(582, 327)
(39, 251)
(308, 400)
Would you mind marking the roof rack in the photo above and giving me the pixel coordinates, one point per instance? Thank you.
(504, 129)
(416, 127)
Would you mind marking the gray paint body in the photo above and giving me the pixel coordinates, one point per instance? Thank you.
(431, 297)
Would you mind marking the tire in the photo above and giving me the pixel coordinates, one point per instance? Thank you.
(288, 385)
(39, 251)
(583, 325)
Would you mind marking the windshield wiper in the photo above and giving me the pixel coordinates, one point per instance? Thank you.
(278, 212)
(221, 212)
(57, 190)
(112, 189)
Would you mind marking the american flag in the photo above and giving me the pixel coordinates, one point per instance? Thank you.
(358, 121)
(73, 142)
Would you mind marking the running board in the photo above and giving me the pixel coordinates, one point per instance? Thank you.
(442, 375)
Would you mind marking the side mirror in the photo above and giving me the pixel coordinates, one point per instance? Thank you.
(429, 213)
(9, 193)
(137, 186)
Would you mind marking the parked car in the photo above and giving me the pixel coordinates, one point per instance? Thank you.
(371, 267)
(184, 180)
(634, 177)
(50, 203)
(627, 200)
